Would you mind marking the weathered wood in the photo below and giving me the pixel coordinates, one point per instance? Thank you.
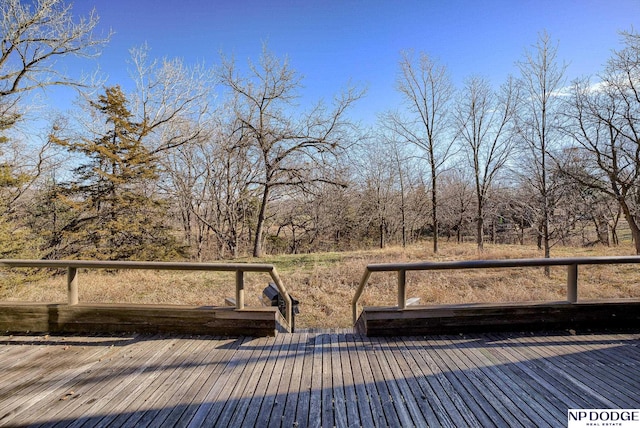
(401, 269)
(304, 393)
(572, 283)
(416, 402)
(363, 401)
(239, 268)
(375, 401)
(297, 369)
(272, 405)
(338, 382)
(408, 413)
(580, 377)
(225, 362)
(137, 383)
(242, 406)
(424, 395)
(315, 398)
(59, 371)
(170, 382)
(513, 393)
(328, 384)
(102, 318)
(351, 399)
(260, 392)
(141, 406)
(499, 379)
(72, 285)
(485, 400)
(385, 396)
(289, 363)
(239, 289)
(463, 398)
(509, 354)
(402, 288)
(535, 316)
(238, 394)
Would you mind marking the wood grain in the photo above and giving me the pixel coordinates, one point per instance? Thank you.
(315, 378)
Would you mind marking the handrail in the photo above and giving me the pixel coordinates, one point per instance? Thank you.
(572, 264)
(72, 267)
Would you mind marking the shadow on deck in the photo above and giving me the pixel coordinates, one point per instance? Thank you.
(319, 379)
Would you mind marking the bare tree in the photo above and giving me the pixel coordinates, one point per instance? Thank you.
(292, 151)
(34, 35)
(211, 181)
(604, 125)
(379, 193)
(541, 80)
(484, 122)
(401, 162)
(171, 99)
(427, 92)
(457, 204)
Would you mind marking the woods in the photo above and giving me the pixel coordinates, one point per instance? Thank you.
(205, 163)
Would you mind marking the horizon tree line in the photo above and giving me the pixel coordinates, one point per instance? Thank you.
(224, 162)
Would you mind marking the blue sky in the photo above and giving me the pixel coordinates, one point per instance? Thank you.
(333, 42)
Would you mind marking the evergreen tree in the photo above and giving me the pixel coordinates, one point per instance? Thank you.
(116, 216)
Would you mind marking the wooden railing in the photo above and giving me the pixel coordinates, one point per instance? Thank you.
(402, 269)
(72, 267)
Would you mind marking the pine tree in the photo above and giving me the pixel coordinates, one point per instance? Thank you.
(117, 217)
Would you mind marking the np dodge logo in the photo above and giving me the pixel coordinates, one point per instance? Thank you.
(625, 418)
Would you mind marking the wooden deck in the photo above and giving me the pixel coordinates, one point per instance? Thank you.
(16, 317)
(315, 378)
(481, 317)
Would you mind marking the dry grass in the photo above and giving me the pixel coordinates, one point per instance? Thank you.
(325, 283)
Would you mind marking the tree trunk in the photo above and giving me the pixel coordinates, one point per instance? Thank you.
(633, 225)
(614, 227)
(262, 214)
(434, 208)
(547, 245)
(480, 226)
(404, 224)
(480, 232)
(539, 236)
(494, 234)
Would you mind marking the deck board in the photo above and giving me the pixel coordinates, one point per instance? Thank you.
(374, 397)
(451, 395)
(315, 378)
(506, 386)
(362, 403)
(486, 402)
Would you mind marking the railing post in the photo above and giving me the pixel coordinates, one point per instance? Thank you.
(239, 289)
(402, 289)
(72, 285)
(356, 297)
(572, 283)
(285, 295)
